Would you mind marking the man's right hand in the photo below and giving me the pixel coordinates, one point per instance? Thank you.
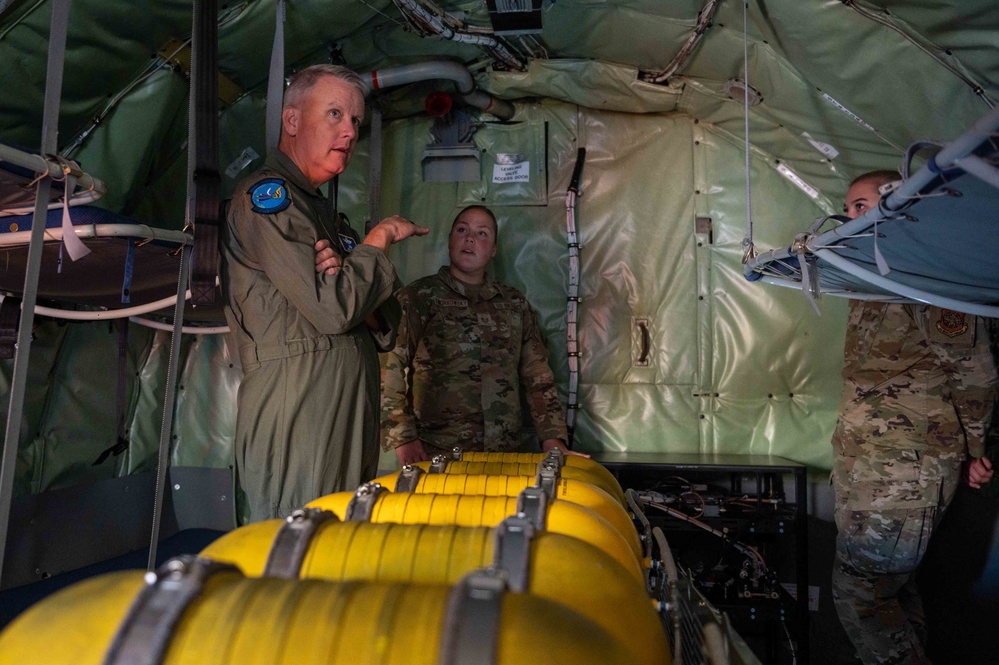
(412, 452)
(391, 230)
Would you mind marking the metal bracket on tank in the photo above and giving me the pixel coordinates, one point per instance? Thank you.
(512, 550)
(145, 633)
(408, 478)
(438, 464)
(456, 454)
(548, 475)
(557, 455)
(292, 542)
(532, 503)
(472, 618)
(363, 502)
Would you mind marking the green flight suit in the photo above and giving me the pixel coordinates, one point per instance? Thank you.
(307, 420)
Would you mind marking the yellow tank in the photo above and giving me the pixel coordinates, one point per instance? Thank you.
(561, 568)
(238, 620)
(477, 510)
(573, 491)
(530, 469)
(570, 461)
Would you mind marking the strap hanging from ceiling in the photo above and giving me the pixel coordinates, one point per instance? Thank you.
(275, 81)
(49, 146)
(203, 152)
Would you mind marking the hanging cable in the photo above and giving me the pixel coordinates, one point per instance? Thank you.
(572, 299)
(749, 251)
(703, 22)
(447, 27)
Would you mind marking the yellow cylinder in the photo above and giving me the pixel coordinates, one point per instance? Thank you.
(500, 468)
(573, 491)
(477, 510)
(595, 468)
(561, 568)
(242, 621)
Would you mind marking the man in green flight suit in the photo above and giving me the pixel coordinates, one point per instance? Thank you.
(468, 348)
(306, 321)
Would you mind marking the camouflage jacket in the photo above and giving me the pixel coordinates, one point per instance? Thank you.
(460, 367)
(915, 377)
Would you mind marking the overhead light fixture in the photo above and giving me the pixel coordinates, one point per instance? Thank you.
(515, 17)
(740, 92)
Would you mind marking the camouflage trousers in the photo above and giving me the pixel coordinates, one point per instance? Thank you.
(887, 505)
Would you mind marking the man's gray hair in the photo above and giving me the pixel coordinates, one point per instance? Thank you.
(305, 79)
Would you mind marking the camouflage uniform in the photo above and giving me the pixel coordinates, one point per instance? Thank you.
(460, 365)
(307, 406)
(918, 394)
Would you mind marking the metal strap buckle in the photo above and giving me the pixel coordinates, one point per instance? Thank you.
(472, 618)
(292, 542)
(408, 478)
(363, 503)
(145, 633)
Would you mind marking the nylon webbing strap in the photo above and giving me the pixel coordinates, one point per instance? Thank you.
(275, 82)
(374, 168)
(19, 375)
(10, 316)
(438, 464)
(203, 141)
(456, 454)
(292, 542)
(472, 619)
(532, 503)
(363, 502)
(145, 633)
(512, 550)
(409, 478)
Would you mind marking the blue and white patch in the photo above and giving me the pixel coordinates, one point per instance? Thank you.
(269, 195)
(348, 243)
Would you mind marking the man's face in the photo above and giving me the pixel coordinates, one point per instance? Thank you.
(472, 242)
(322, 129)
(861, 197)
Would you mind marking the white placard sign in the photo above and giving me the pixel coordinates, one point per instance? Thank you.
(511, 167)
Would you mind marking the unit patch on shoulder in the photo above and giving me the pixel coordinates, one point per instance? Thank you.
(348, 243)
(269, 195)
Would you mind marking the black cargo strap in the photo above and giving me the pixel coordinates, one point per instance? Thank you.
(293, 540)
(438, 464)
(363, 502)
(456, 454)
(472, 619)
(10, 317)
(203, 145)
(409, 478)
(145, 633)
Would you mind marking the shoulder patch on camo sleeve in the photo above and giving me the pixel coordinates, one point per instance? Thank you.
(269, 195)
